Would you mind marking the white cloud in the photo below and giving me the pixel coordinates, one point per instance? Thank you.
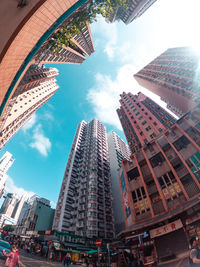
(41, 142)
(48, 116)
(104, 96)
(12, 188)
(109, 33)
(53, 204)
(29, 124)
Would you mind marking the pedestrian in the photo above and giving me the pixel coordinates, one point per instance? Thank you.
(194, 257)
(87, 262)
(64, 260)
(12, 258)
(68, 259)
(134, 262)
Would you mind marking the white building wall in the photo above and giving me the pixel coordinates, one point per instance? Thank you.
(117, 150)
(5, 163)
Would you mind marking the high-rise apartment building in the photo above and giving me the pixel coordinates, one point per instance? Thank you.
(161, 187)
(84, 205)
(174, 76)
(118, 151)
(11, 209)
(9, 204)
(79, 46)
(142, 119)
(22, 222)
(36, 88)
(134, 10)
(5, 163)
(36, 215)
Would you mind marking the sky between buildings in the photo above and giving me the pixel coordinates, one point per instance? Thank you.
(92, 89)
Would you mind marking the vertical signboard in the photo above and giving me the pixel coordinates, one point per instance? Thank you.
(125, 196)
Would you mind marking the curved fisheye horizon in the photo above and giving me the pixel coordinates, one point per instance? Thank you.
(103, 85)
(131, 47)
(145, 39)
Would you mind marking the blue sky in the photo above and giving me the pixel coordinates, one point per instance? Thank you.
(92, 89)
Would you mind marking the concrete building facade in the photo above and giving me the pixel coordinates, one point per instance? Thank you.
(11, 209)
(117, 150)
(80, 45)
(36, 215)
(160, 187)
(35, 89)
(84, 205)
(22, 220)
(134, 10)
(142, 119)
(174, 76)
(18, 41)
(6, 162)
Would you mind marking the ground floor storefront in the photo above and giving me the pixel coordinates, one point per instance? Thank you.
(164, 240)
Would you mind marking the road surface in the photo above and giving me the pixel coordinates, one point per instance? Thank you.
(28, 260)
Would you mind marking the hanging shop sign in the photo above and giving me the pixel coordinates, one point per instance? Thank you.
(165, 229)
(195, 218)
(32, 233)
(125, 195)
(57, 245)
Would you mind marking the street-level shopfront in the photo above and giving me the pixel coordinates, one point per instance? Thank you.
(142, 247)
(169, 240)
(166, 236)
(192, 221)
(157, 244)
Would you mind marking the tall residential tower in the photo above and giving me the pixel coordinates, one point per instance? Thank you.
(161, 188)
(175, 77)
(142, 119)
(85, 201)
(134, 10)
(5, 163)
(80, 45)
(35, 89)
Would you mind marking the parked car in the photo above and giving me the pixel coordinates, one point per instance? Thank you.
(4, 246)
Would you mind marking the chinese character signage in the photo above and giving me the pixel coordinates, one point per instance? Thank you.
(165, 229)
(125, 195)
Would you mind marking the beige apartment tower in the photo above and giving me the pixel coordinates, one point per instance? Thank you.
(35, 89)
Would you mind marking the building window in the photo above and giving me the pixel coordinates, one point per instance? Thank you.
(153, 135)
(156, 160)
(181, 143)
(148, 128)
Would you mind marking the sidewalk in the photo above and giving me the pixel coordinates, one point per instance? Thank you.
(180, 261)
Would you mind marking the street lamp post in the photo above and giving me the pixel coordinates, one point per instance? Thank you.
(108, 248)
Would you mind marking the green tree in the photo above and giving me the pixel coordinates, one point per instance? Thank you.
(9, 228)
(78, 20)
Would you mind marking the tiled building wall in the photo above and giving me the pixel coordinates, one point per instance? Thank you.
(23, 33)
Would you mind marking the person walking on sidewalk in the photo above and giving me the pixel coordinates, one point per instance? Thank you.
(12, 258)
(68, 259)
(194, 257)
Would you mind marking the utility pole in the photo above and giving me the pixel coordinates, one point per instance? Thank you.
(108, 248)
(98, 256)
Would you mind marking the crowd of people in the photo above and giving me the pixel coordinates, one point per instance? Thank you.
(48, 251)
